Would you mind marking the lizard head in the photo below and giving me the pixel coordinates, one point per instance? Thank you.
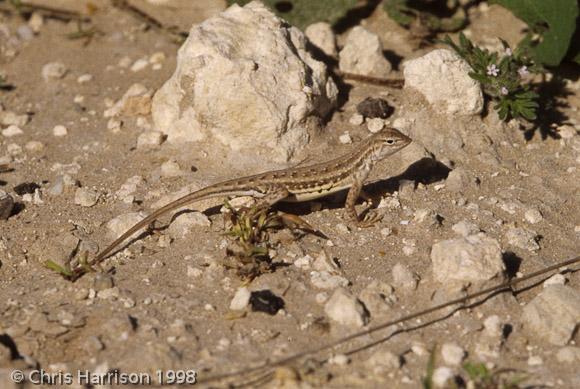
(388, 141)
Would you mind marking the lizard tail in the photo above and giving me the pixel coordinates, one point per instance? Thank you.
(201, 194)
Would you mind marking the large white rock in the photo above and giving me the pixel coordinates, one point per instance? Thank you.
(474, 258)
(245, 78)
(363, 54)
(442, 77)
(554, 314)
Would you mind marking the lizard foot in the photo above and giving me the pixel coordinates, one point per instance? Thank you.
(370, 219)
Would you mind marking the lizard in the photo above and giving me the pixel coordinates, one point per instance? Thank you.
(295, 184)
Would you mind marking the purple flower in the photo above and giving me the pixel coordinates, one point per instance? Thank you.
(492, 70)
(504, 91)
(523, 71)
(508, 52)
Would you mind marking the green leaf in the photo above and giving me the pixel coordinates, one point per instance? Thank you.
(302, 13)
(478, 77)
(560, 18)
(65, 272)
(399, 11)
(476, 370)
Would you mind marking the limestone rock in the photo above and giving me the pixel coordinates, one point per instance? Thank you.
(363, 54)
(244, 77)
(404, 277)
(136, 101)
(554, 314)
(522, 238)
(321, 35)
(474, 258)
(442, 77)
(86, 197)
(452, 354)
(465, 228)
(241, 299)
(346, 309)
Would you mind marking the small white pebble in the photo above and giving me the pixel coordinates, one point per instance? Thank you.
(442, 376)
(170, 169)
(493, 326)
(304, 262)
(35, 22)
(150, 138)
(86, 197)
(114, 125)
(194, 272)
(157, 57)
(535, 360)
(356, 119)
(34, 146)
(59, 130)
(419, 350)
(83, 79)
(339, 360)
(14, 149)
(386, 231)
(11, 131)
(139, 65)
(375, 124)
(53, 71)
(345, 138)
(79, 99)
(556, 279)
(566, 131)
(533, 216)
(452, 354)
(241, 299)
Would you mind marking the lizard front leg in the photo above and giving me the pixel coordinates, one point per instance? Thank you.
(353, 194)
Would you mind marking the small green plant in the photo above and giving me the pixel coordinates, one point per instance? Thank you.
(483, 378)
(69, 272)
(250, 229)
(502, 77)
(427, 381)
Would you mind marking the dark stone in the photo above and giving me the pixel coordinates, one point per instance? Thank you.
(374, 108)
(266, 301)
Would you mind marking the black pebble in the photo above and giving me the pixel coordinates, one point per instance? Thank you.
(266, 301)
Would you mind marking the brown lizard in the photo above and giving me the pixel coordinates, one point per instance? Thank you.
(294, 184)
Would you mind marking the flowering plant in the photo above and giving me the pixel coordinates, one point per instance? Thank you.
(502, 77)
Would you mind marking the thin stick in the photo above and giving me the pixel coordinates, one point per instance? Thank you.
(388, 82)
(46, 11)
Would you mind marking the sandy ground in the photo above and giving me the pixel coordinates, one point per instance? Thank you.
(164, 305)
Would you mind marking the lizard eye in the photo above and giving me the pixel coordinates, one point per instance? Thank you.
(390, 141)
